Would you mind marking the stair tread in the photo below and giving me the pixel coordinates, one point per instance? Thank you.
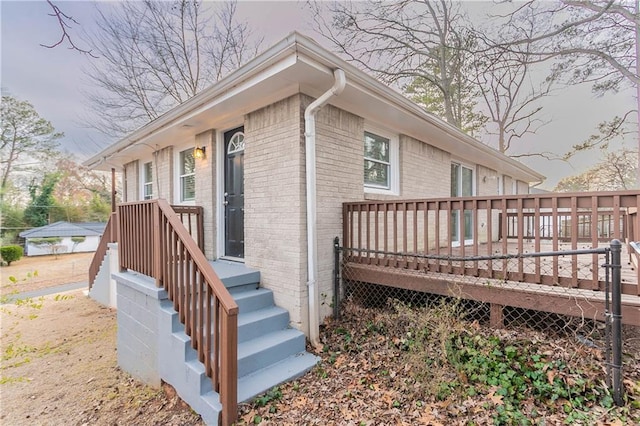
(259, 344)
(264, 379)
(252, 316)
(250, 293)
(234, 274)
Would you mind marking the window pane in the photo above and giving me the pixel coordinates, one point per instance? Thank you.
(187, 162)
(467, 182)
(376, 147)
(188, 187)
(468, 225)
(376, 173)
(148, 191)
(148, 173)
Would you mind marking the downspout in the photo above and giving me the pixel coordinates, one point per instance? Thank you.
(312, 240)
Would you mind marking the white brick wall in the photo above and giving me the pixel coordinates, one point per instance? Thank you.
(339, 177)
(425, 171)
(523, 187)
(275, 226)
(206, 189)
(163, 168)
(507, 183)
(131, 184)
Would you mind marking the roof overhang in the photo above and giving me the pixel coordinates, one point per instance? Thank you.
(299, 65)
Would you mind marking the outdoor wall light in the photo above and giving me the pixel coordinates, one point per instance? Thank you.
(199, 152)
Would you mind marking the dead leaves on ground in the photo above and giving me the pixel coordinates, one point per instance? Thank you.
(367, 377)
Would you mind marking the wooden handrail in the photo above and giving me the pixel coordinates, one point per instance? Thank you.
(154, 241)
(108, 236)
(492, 225)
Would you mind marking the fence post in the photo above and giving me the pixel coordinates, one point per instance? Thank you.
(336, 277)
(616, 319)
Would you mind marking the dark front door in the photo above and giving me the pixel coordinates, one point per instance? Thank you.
(234, 192)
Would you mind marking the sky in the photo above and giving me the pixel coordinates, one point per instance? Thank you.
(54, 82)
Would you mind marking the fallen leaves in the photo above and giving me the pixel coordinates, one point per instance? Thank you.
(368, 376)
(496, 399)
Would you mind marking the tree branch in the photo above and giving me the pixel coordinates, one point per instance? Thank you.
(65, 21)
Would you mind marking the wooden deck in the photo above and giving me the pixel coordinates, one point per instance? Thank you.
(410, 245)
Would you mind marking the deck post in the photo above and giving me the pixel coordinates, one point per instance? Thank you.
(496, 316)
(616, 319)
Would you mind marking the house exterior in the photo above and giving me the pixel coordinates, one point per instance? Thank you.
(281, 143)
(63, 237)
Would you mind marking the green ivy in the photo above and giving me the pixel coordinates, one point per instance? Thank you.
(520, 375)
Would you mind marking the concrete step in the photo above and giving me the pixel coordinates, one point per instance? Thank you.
(269, 353)
(258, 323)
(253, 300)
(179, 366)
(292, 367)
(260, 352)
(235, 274)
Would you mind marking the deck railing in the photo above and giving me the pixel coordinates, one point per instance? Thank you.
(442, 230)
(108, 236)
(154, 241)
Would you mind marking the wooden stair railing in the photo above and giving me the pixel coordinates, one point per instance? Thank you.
(109, 236)
(154, 241)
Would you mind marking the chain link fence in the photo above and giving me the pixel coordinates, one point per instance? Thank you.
(586, 316)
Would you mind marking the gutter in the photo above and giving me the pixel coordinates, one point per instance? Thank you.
(312, 234)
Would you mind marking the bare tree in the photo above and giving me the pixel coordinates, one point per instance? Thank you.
(422, 46)
(617, 171)
(595, 40)
(65, 22)
(444, 61)
(510, 86)
(590, 41)
(607, 131)
(155, 55)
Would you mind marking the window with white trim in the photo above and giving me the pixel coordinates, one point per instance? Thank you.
(147, 181)
(187, 170)
(380, 162)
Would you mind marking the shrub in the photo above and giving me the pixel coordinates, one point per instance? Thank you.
(76, 241)
(11, 253)
(52, 244)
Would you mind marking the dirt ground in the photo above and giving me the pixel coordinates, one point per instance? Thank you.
(59, 363)
(37, 272)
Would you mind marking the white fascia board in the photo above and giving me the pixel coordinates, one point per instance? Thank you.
(245, 85)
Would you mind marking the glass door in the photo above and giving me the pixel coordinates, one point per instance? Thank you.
(461, 186)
